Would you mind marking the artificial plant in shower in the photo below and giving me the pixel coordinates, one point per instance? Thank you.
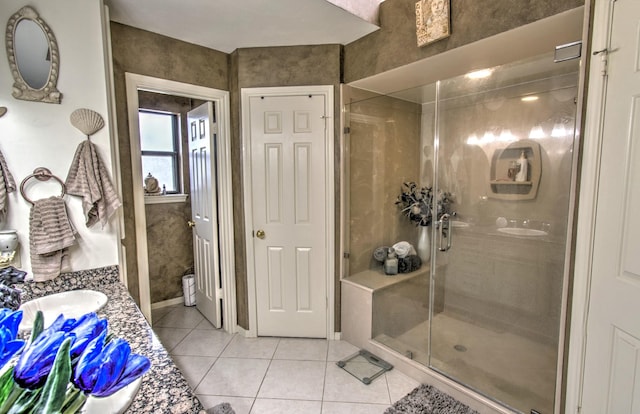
(88, 177)
(417, 204)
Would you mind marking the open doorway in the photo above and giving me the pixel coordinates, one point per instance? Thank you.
(160, 96)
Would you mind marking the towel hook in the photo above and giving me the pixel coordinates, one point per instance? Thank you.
(40, 174)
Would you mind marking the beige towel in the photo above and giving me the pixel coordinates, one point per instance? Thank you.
(89, 179)
(50, 233)
(7, 185)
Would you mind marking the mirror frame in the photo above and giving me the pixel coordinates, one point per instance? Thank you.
(21, 90)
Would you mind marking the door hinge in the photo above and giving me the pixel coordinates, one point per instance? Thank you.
(347, 130)
(604, 57)
(346, 255)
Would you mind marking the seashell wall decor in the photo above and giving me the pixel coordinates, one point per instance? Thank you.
(87, 121)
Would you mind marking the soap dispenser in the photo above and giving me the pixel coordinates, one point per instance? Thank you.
(391, 262)
(523, 167)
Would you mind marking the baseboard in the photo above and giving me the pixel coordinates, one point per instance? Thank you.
(241, 331)
(168, 302)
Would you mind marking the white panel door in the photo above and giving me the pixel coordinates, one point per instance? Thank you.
(204, 210)
(288, 188)
(612, 362)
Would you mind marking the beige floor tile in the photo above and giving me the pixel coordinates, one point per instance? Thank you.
(157, 314)
(302, 349)
(268, 406)
(170, 337)
(205, 324)
(237, 377)
(180, 317)
(241, 347)
(399, 384)
(352, 408)
(296, 380)
(240, 405)
(339, 350)
(340, 386)
(203, 342)
(193, 368)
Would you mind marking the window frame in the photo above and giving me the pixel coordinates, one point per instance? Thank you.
(176, 154)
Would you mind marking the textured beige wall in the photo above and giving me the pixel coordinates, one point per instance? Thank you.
(146, 53)
(276, 66)
(169, 239)
(395, 44)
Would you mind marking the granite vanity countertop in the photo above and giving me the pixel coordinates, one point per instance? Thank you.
(163, 388)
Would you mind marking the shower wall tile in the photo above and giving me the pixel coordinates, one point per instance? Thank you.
(465, 169)
(385, 133)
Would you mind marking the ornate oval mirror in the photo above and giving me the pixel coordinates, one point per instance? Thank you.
(33, 57)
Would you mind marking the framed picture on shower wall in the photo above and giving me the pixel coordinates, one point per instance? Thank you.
(432, 21)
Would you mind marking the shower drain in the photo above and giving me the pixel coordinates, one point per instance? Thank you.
(460, 348)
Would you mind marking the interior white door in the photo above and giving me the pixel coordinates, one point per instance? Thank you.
(204, 210)
(612, 360)
(288, 188)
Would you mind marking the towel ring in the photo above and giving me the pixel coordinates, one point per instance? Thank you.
(41, 174)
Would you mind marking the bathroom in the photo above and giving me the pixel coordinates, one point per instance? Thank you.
(32, 127)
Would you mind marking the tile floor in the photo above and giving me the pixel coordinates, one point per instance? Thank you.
(270, 375)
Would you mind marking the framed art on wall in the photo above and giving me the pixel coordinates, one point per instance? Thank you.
(432, 21)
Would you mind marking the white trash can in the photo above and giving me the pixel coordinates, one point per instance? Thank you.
(189, 289)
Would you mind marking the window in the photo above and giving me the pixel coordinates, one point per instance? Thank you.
(160, 148)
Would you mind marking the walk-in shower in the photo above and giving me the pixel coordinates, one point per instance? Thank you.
(488, 311)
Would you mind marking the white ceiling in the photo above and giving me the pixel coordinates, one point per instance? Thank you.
(226, 25)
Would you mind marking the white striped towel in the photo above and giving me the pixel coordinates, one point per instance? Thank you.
(50, 234)
(7, 185)
(89, 179)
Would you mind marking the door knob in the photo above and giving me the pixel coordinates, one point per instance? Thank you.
(191, 223)
(260, 234)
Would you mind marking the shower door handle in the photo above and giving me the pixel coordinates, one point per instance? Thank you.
(444, 233)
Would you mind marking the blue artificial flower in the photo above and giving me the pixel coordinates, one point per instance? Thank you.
(36, 361)
(86, 329)
(9, 345)
(35, 364)
(104, 369)
(10, 320)
(62, 324)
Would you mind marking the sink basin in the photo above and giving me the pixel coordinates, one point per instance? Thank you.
(517, 231)
(115, 403)
(71, 304)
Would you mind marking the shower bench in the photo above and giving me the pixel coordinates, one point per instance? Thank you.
(358, 305)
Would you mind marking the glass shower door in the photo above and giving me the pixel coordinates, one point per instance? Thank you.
(504, 152)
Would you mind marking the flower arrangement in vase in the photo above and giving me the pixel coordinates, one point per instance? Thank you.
(417, 204)
(59, 367)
